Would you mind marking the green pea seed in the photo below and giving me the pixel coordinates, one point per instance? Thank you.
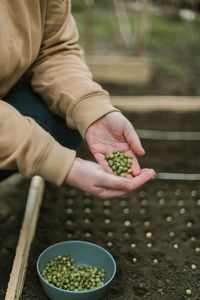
(146, 223)
(114, 168)
(175, 246)
(119, 162)
(109, 244)
(168, 219)
(172, 234)
(110, 234)
(119, 172)
(149, 234)
(110, 163)
(107, 156)
(127, 223)
(62, 272)
(193, 267)
(189, 224)
(134, 260)
(155, 261)
(126, 235)
(123, 175)
(188, 292)
(142, 211)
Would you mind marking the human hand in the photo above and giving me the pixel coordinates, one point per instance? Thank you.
(90, 177)
(114, 132)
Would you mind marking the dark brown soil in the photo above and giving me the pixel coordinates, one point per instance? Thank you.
(154, 202)
(168, 279)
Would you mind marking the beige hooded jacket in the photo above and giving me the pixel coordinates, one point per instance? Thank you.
(38, 39)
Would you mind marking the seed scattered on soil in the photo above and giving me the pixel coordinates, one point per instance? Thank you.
(149, 234)
(155, 261)
(109, 244)
(134, 260)
(175, 246)
(171, 234)
(188, 292)
(127, 223)
(193, 267)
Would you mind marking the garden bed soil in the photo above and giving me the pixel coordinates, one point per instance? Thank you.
(154, 210)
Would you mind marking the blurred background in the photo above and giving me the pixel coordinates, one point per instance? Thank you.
(142, 47)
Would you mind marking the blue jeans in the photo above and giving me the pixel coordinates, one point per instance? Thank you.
(30, 104)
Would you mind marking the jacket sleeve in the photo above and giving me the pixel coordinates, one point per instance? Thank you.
(61, 76)
(25, 146)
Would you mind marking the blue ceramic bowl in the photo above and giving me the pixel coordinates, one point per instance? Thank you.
(84, 253)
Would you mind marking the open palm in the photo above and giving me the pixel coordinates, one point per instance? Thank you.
(114, 131)
(110, 132)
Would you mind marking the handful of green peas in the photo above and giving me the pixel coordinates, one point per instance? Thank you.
(63, 273)
(119, 162)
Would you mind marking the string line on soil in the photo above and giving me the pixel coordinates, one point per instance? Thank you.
(168, 135)
(177, 176)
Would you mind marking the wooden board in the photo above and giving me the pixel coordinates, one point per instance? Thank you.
(157, 103)
(18, 272)
(120, 69)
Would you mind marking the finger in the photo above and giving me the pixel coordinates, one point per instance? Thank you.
(129, 176)
(113, 182)
(136, 170)
(133, 140)
(145, 175)
(109, 193)
(134, 165)
(106, 193)
(146, 169)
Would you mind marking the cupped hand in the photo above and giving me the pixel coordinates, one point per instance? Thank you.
(114, 132)
(91, 177)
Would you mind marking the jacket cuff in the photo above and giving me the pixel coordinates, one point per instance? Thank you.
(87, 111)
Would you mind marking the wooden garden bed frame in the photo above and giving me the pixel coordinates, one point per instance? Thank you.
(120, 69)
(157, 103)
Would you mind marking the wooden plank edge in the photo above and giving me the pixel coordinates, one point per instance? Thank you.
(120, 69)
(156, 103)
(18, 272)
